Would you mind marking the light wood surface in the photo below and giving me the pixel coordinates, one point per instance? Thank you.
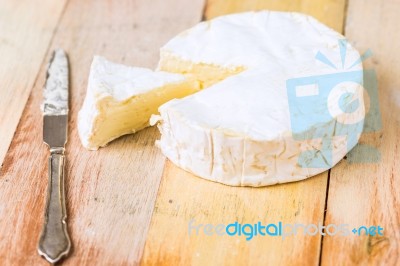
(369, 194)
(183, 197)
(25, 34)
(331, 12)
(111, 192)
(127, 205)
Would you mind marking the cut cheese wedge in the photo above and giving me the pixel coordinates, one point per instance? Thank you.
(121, 99)
(241, 130)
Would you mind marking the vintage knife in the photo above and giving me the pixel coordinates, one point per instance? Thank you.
(54, 242)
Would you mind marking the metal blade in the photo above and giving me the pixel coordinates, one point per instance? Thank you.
(55, 104)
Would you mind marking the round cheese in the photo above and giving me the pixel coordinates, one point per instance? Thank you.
(270, 112)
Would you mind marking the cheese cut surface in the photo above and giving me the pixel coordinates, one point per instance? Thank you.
(238, 131)
(121, 99)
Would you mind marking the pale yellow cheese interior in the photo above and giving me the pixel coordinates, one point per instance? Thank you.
(117, 118)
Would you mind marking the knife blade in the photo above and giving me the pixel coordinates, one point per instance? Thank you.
(54, 241)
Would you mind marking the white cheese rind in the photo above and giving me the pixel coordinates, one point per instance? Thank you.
(238, 131)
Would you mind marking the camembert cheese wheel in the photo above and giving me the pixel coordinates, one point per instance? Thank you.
(271, 112)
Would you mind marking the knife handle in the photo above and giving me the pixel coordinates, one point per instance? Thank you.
(54, 242)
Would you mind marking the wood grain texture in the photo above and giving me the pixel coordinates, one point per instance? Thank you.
(331, 12)
(26, 29)
(369, 194)
(183, 197)
(111, 192)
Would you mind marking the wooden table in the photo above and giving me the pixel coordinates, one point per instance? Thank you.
(124, 211)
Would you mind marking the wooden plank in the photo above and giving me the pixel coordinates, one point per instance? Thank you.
(26, 29)
(369, 194)
(111, 192)
(330, 12)
(183, 197)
